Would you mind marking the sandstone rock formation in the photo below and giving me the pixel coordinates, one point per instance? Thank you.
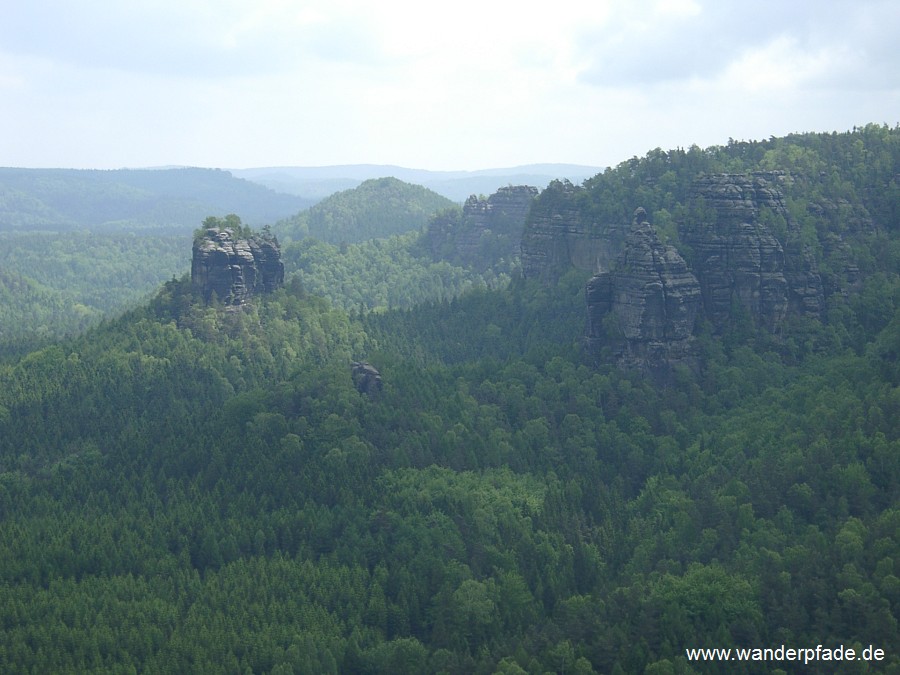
(645, 308)
(741, 265)
(233, 268)
(559, 235)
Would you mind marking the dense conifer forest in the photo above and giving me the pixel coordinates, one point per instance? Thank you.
(202, 488)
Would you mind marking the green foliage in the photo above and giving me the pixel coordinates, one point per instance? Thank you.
(231, 222)
(58, 284)
(382, 273)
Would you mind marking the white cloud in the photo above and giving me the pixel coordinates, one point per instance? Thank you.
(812, 43)
(455, 85)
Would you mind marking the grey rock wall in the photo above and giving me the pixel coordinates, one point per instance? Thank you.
(739, 262)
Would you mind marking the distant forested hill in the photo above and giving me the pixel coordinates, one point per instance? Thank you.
(377, 208)
(172, 200)
(436, 251)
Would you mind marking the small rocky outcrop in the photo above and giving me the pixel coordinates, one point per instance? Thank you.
(366, 378)
(645, 308)
(739, 262)
(233, 268)
(559, 235)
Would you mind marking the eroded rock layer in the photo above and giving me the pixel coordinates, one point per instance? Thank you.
(503, 213)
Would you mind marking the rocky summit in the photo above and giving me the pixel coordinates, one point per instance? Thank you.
(644, 309)
(233, 269)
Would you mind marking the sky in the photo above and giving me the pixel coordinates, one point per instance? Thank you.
(460, 85)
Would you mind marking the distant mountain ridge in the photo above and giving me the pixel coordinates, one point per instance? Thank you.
(317, 182)
(175, 199)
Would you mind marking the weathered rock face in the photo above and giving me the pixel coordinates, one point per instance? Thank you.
(645, 308)
(235, 269)
(739, 262)
(558, 236)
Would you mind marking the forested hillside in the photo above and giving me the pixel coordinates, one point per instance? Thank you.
(79, 245)
(433, 259)
(382, 274)
(318, 182)
(195, 488)
(59, 283)
(67, 279)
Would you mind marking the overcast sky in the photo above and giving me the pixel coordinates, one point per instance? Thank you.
(453, 85)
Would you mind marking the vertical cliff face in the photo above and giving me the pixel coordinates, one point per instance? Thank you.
(233, 268)
(560, 235)
(740, 263)
(645, 308)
